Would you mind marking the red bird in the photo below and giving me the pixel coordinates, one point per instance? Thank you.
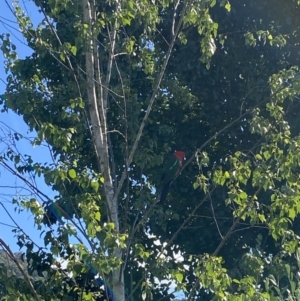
(172, 166)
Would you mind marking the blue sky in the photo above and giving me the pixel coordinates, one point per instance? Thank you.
(12, 120)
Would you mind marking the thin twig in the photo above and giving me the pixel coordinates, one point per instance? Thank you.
(184, 223)
(135, 288)
(174, 17)
(192, 292)
(215, 253)
(112, 38)
(19, 228)
(213, 212)
(129, 241)
(116, 131)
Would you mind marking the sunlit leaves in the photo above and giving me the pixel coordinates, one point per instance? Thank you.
(141, 252)
(262, 36)
(198, 15)
(219, 177)
(212, 275)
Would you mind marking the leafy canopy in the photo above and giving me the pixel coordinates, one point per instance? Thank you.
(113, 88)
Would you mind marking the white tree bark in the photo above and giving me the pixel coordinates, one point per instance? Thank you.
(97, 100)
(97, 110)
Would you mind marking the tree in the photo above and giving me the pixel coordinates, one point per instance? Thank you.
(112, 88)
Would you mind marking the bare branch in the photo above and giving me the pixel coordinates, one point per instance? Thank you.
(213, 212)
(174, 17)
(116, 131)
(112, 38)
(225, 238)
(184, 223)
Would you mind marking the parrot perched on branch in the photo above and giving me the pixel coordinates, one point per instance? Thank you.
(172, 166)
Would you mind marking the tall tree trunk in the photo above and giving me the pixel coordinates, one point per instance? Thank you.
(97, 101)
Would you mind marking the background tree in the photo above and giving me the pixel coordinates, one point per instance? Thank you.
(113, 88)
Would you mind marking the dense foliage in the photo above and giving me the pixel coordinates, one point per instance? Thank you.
(113, 89)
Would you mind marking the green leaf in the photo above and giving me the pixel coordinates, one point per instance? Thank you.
(213, 3)
(72, 173)
(243, 195)
(292, 213)
(226, 175)
(73, 50)
(228, 7)
(97, 216)
(267, 155)
(179, 277)
(95, 185)
(62, 56)
(258, 157)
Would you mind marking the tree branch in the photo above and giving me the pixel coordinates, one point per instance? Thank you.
(251, 110)
(226, 237)
(184, 223)
(223, 241)
(152, 100)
